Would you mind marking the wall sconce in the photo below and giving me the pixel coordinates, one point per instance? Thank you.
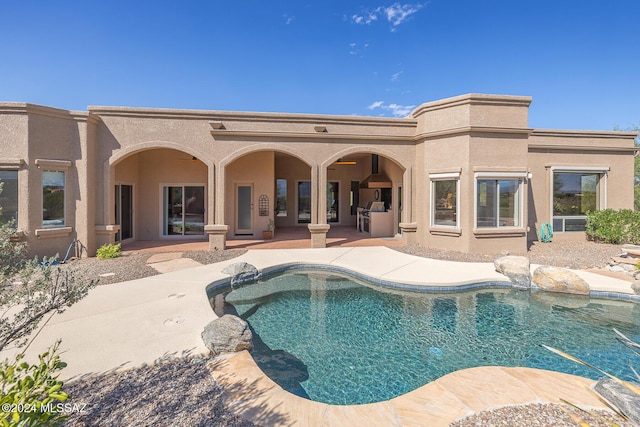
(344, 162)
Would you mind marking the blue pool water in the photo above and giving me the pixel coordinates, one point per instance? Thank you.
(332, 339)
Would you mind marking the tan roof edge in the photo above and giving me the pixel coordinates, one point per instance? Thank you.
(472, 98)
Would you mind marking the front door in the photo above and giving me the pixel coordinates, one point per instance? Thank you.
(244, 209)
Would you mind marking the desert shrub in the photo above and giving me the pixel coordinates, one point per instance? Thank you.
(614, 226)
(108, 251)
(31, 395)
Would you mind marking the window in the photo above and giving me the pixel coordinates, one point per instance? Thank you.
(304, 202)
(498, 203)
(9, 196)
(574, 194)
(52, 199)
(333, 214)
(444, 202)
(281, 197)
(354, 197)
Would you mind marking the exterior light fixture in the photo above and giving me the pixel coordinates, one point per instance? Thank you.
(320, 128)
(344, 162)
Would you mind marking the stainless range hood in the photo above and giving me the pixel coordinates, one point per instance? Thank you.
(376, 179)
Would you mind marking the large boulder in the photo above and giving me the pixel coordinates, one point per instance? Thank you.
(241, 272)
(227, 334)
(516, 268)
(556, 279)
(620, 396)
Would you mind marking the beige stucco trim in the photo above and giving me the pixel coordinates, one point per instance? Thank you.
(107, 229)
(11, 164)
(59, 165)
(582, 148)
(500, 232)
(443, 230)
(151, 145)
(312, 134)
(465, 130)
(584, 133)
(473, 99)
(49, 233)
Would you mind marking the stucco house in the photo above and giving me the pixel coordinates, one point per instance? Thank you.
(464, 173)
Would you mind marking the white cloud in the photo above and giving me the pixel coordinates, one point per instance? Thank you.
(367, 17)
(288, 19)
(395, 76)
(396, 14)
(356, 50)
(375, 105)
(395, 110)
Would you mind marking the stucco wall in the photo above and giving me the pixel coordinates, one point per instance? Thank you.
(151, 147)
(576, 150)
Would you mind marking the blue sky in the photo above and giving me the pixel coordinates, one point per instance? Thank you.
(579, 60)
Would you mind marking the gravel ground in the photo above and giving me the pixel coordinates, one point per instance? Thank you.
(539, 415)
(134, 266)
(181, 392)
(576, 255)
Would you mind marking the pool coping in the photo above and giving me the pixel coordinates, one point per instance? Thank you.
(256, 398)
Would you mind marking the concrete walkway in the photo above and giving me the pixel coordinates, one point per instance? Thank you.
(125, 325)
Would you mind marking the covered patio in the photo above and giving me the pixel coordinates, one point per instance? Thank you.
(283, 238)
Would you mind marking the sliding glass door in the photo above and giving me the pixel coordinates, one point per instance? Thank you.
(124, 211)
(183, 210)
(304, 202)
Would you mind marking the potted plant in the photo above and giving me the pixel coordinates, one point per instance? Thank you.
(268, 233)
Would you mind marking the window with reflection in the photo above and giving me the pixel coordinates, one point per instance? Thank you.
(53, 199)
(498, 203)
(574, 195)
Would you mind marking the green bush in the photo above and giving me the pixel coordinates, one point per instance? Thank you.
(108, 250)
(611, 226)
(31, 395)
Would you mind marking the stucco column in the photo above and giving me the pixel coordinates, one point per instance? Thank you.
(217, 234)
(407, 196)
(106, 228)
(218, 194)
(318, 227)
(319, 235)
(409, 232)
(216, 230)
(321, 195)
(314, 194)
(211, 199)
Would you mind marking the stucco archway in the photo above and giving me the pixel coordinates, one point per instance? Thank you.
(346, 174)
(259, 186)
(141, 179)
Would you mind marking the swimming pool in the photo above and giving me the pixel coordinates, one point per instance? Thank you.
(335, 339)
